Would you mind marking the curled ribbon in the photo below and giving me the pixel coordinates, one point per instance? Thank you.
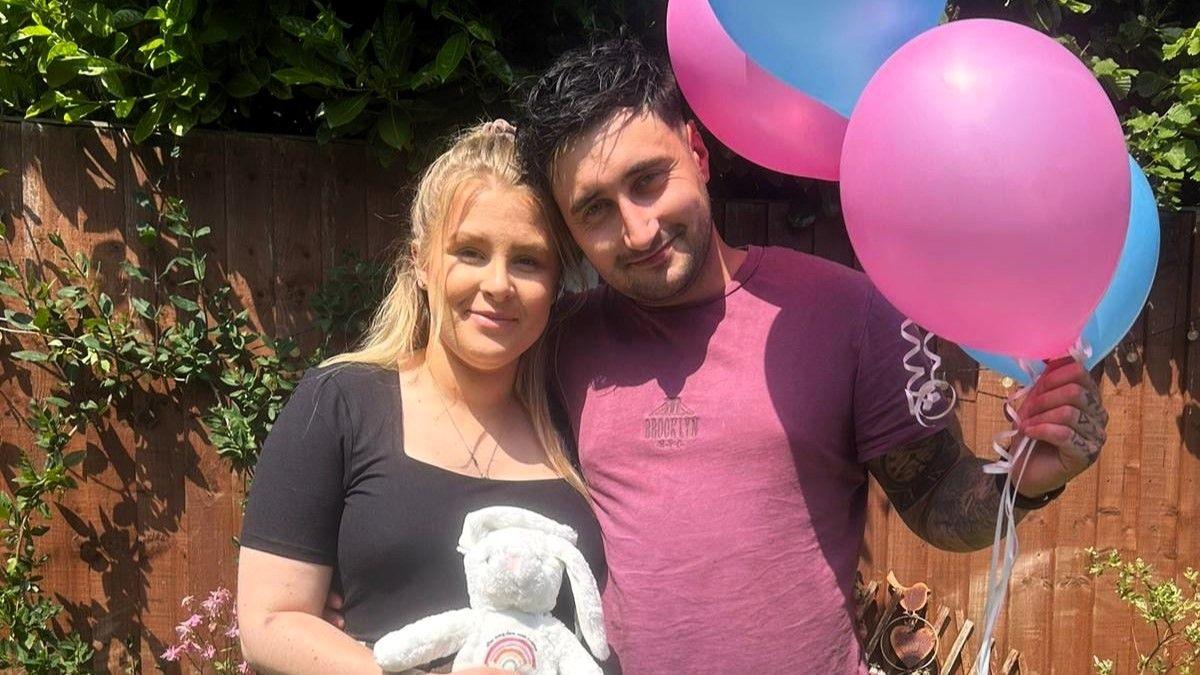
(922, 399)
(1003, 560)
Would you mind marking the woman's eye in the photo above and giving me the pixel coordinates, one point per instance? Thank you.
(528, 262)
(468, 255)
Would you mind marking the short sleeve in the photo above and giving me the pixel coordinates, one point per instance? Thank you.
(882, 420)
(296, 497)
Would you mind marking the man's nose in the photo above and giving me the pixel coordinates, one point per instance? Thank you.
(639, 226)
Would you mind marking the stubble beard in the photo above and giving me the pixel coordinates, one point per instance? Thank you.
(658, 292)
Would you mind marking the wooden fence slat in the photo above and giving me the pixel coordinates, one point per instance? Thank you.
(989, 419)
(1189, 482)
(745, 222)
(109, 527)
(58, 189)
(210, 516)
(250, 244)
(786, 228)
(344, 202)
(388, 192)
(296, 221)
(1166, 319)
(162, 459)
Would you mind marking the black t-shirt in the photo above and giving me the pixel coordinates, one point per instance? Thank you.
(333, 486)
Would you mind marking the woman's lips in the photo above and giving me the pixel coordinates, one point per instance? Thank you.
(491, 320)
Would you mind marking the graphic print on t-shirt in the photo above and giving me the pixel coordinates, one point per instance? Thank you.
(671, 424)
(510, 651)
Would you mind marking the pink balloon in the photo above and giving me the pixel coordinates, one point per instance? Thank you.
(985, 186)
(747, 108)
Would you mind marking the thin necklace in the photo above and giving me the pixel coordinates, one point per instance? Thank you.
(483, 472)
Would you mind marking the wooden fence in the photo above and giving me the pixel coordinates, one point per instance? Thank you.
(156, 513)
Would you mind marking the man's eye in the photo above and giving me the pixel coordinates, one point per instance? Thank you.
(648, 181)
(593, 210)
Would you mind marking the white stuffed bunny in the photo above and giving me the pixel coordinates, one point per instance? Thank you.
(514, 561)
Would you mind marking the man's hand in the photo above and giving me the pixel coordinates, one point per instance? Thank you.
(1063, 413)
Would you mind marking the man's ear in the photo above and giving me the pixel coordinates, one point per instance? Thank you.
(699, 150)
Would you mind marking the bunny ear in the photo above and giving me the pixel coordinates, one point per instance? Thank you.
(479, 523)
(589, 617)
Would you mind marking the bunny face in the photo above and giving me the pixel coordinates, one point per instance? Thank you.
(512, 569)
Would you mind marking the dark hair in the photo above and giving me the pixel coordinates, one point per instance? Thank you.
(585, 87)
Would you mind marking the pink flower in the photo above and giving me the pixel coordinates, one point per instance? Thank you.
(187, 601)
(192, 621)
(172, 653)
(208, 653)
(232, 632)
(244, 668)
(182, 631)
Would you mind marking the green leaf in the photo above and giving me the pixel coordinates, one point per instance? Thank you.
(142, 308)
(148, 122)
(123, 107)
(31, 356)
(1076, 6)
(48, 101)
(302, 76)
(394, 129)
(481, 32)
(243, 85)
(184, 304)
(57, 402)
(151, 45)
(64, 70)
(58, 51)
(495, 64)
(112, 83)
(33, 31)
(106, 305)
(156, 13)
(7, 289)
(343, 111)
(1181, 154)
(295, 25)
(124, 18)
(78, 112)
(450, 55)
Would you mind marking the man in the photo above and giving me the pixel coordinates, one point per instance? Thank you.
(729, 403)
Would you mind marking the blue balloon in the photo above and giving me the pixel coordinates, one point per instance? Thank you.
(1127, 292)
(827, 49)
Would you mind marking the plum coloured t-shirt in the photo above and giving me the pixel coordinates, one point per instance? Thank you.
(724, 444)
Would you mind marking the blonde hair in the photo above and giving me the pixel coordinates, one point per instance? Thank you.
(407, 322)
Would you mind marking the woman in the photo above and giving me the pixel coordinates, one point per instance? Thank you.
(367, 474)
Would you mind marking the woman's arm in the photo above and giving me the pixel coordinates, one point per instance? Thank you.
(279, 604)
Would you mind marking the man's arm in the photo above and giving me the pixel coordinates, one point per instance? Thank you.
(938, 485)
(941, 492)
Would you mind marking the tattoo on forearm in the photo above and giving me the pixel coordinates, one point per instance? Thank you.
(940, 490)
(961, 514)
(908, 474)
